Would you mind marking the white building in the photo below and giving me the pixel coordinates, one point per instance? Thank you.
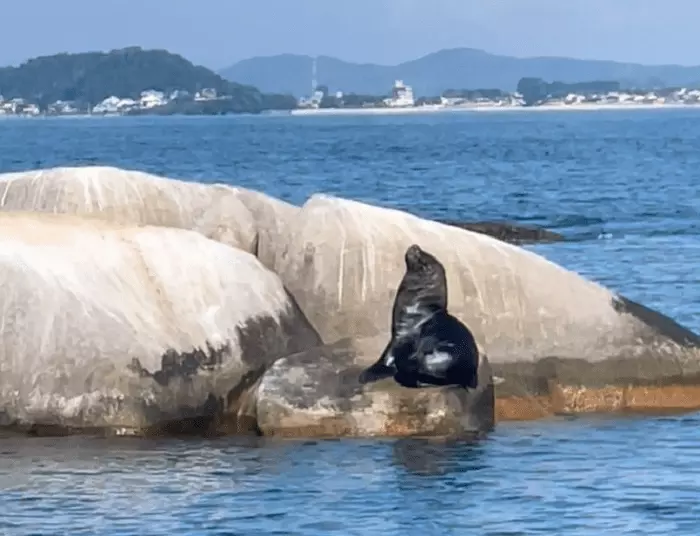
(312, 102)
(113, 105)
(31, 109)
(401, 96)
(151, 99)
(205, 95)
(574, 98)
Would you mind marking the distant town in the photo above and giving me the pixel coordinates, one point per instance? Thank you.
(150, 100)
(401, 98)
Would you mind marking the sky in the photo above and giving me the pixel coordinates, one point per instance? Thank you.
(217, 33)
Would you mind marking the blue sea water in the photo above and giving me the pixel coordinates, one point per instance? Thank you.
(622, 185)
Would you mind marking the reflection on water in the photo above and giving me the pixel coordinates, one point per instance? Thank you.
(437, 457)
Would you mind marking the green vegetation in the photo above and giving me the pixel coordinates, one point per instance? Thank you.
(352, 100)
(536, 90)
(221, 106)
(475, 94)
(88, 78)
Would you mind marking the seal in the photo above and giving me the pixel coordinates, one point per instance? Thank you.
(428, 346)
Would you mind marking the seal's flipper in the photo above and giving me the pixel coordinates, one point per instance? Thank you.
(383, 368)
(473, 382)
(376, 372)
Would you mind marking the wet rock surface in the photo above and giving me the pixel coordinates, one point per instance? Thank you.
(660, 372)
(316, 393)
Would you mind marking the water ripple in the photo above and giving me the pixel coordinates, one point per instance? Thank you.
(621, 186)
(587, 476)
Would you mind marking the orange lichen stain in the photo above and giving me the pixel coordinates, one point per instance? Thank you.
(673, 397)
(585, 400)
(611, 399)
(522, 408)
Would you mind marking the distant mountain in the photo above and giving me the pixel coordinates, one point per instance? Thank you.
(90, 77)
(459, 68)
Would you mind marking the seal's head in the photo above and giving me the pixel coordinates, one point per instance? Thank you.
(418, 260)
(425, 270)
(423, 288)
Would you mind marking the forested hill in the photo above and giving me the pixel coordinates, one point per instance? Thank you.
(91, 77)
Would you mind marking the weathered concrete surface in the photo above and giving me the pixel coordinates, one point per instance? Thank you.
(316, 393)
(560, 343)
(508, 232)
(134, 329)
(234, 216)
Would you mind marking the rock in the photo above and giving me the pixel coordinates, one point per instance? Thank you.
(271, 216)
(316, 393)
(234, 216)
(508, 232)
(559, 343)
(134, 329)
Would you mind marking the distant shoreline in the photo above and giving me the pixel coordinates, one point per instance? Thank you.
(416, 110)
(588, 107)
(476, 108)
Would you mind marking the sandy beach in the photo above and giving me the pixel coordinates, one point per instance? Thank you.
(488, 108)
(586, 107)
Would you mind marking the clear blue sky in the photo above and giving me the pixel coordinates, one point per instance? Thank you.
(217, 33)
